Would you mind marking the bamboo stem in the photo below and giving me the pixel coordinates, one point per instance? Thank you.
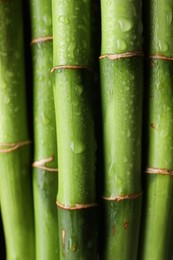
(45, 154)
(121, 86)
(15, 176)
(75, 129)
(156, 234)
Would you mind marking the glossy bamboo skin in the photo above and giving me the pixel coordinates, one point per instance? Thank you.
(156, 237)
(122, 89)
(44, 181)
(75, 128)
(15, 175)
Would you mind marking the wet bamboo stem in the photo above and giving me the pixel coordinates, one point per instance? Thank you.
(75, 129)
(157, 210)
(45, 156)
(15, 175)
(121, 87)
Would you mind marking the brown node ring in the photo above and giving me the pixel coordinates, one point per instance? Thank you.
(12, 146)
(74, 67)
(76, 206)
(41, 164)
(41, 39)
(118, 198)
(117, 56)
(159, 171)
(160, 57)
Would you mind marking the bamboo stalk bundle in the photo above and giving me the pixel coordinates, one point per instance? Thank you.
(45, 156)
(121, 73)
(65, 204)
(15, 177)
(76, 199)
(157, 209)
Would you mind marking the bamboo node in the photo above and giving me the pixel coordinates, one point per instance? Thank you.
(160, 57)
(41, 164)
(73, 67)
(159, 171)
(76, 206)
(41, 39)
(118, 198)
(10, 147)
(117, 56)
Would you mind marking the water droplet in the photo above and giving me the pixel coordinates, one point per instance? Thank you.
(9, 74)
(63, 19)
(108, 2)
(6, 100)
(77, 147)
(16, 109)
(125, 159)
(169, 17)
(110, 92)
(163, 46)
(140, 27)
(2, 85)
(79, 89)
(17, 55)
(47, 20)
(45, 119)
(112, 168)
(128, 133)
(121, 45)
(72, 50)
(125, 24)
(128, 173)
(84, 44)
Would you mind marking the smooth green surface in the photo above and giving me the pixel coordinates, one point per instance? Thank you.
(158, 208)
(16, 205)
(12, 97)
(45, 188)
(75, 131)
(41, 14)
(121, 97)
(15, 173)
(120, 232)
(121, 26)
(44, 111)
(73, 102)
(44, 182)
(78, 237)
(122, 110)
(71, 32)
(160, 114)
(160, 26)
(74, 120)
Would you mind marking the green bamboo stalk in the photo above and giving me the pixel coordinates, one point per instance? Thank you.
(75, 129)
(121, 86)
(45, 156)
(157, 210)
(15, 175)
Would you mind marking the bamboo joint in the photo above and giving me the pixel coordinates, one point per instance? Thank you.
(41, 39)
(10, 147)
(41, 164)
(118, 198)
